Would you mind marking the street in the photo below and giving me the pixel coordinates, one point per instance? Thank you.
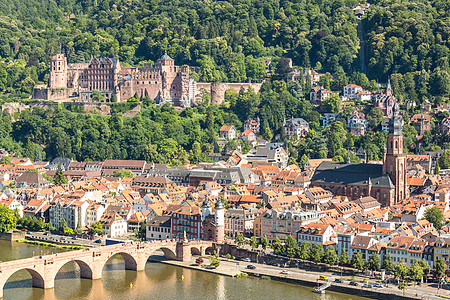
(51, 238)
(422, 292)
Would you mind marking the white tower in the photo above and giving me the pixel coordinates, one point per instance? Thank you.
(220, 221)
(206, 208)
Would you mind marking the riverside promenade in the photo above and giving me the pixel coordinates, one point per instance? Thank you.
(310, 278)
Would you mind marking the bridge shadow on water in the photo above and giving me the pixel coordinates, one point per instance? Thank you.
(115, 280)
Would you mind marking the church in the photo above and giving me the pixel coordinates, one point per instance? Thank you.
(386, 182)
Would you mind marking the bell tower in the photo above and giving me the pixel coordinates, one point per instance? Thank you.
(394, 160)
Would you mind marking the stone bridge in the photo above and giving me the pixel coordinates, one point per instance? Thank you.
(43, 269)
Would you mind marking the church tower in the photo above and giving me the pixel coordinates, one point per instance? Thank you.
(394, 160)
(58, 71)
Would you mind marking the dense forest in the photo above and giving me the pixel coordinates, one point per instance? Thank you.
(229, 40)
(164, 135)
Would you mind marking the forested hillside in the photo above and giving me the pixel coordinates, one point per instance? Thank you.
(226, 39)
(410, 38)
(164, 135)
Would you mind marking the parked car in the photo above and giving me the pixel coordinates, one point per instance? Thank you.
(338, 280)
(246, 259)
(367, 285)
(285, 272)
(62, 238)
(47, 233)
(252, 267)
(98, 241)
(74, 238)
(378, 285)
(25, 230)
(353, 283)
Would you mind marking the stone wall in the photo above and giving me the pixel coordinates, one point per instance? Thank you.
(102, 109)
(12, 235)
(218, 89)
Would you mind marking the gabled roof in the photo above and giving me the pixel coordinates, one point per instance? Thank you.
(352, 174)
(226, 128)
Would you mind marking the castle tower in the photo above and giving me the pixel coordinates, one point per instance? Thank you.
(206, 208)
(394, 160)
(58, 71)
(220, 221)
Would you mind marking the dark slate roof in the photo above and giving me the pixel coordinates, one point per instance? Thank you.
(166, 57)
(105, 60)
(31, 178)
(352, 174)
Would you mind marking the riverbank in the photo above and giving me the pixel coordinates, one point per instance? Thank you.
(300, 277)
(193, 266)
(53, 245)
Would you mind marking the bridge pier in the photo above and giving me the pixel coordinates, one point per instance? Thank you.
(183, 251)
(43, 269)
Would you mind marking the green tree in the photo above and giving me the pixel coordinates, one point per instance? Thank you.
(97, 96)
(439, 269)
(330, 257)
(402, 286)
(59, 176)
(332, 104)
(7, 219)
(140, 232)
(303, 160)
(401, 270)
(358, 261)
(123, 173)
(416, 270)
(50, 227)
(425, 266)
(388, 263)
(96, 228)
(317, 253)
(434, 215)
(375, 117)
(63, 228)
(6, 160)
(344, 259)
(78, 229)
(304, 250)
(277, 246)
(264, 242)
(373, 263)
(290, 246)
(436, 169)
(239, 239)
(253, 242)
(214, 261)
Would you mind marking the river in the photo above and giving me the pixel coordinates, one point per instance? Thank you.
(158, 281)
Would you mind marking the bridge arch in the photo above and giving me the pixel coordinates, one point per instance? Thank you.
(37, 279)
(196, 251)
(168, 253)
(86, 270)
(209, 250)
(130, 260)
